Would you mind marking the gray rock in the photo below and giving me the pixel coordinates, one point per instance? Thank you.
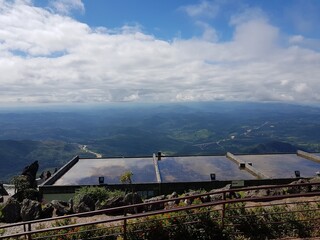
(315, 188)
(84, 204)
(133, 198)
(47, 211)
(31, 172)
(154, 206)
(219, 196)
(189, 201)
(61, 207)
(30, 210)
(11, 211)
(264, 193)
(172, 196)
(110, 203)
(299, 189)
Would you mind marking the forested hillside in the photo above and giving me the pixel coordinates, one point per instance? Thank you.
(15, 155)
(54, 135)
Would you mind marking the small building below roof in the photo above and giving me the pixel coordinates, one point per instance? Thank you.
(173, 173)
(183, 169)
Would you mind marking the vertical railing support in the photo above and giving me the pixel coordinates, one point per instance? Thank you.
(125, 226)
(125, 229)
(28, 235)
(223, 214)
(25, 230)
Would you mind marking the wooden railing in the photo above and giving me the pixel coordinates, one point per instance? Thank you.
(118, 225)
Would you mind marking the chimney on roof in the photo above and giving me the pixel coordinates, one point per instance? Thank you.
(159, 156)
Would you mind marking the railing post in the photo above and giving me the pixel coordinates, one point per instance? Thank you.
(29, 237)
(125, 229)
(223, 214)
(25, 230)
(125, 226)
(27, 234)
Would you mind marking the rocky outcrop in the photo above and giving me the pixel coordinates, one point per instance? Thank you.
(133, 198)
(299, 189)
(30, 210)
(315, 188)
(47, 211)
(84, 204)
(31, 172)
(110, 203)
(264, 192)
(11, 211)
(153, 207)
(219, 196)
(61, 207)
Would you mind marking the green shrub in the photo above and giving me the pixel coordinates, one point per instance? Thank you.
(187, 225)
(96, 193)
(273, 222)
(21, 183)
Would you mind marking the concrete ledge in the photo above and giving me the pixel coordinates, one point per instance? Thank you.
(61, 171)
(308, 156)
(243, 165)
(156, 168)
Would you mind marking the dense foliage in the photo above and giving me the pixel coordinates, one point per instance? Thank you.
(15, 155)
(295, 221)
(96, 193)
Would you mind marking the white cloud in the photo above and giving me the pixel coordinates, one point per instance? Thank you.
(209, 33)
(296, 39)
(203, 9)
(256, 37)
(54, 58)
(248, 15)
(67, 6)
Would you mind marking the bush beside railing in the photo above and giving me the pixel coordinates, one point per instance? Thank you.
(225, 219)
(271, 222)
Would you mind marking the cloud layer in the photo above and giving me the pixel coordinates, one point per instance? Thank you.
(47, 56)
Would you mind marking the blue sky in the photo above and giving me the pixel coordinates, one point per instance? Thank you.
(96, 51)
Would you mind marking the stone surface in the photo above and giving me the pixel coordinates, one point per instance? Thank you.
(264, 192)
(47, 211)
(219, 196)
(110, 203)
(31, 172)
(153, 206)
(133, 198)
(299, 189)
(11, 211)
(84, 204)
(188, 194)
(61, 207)
(30, 210)
(315, 188)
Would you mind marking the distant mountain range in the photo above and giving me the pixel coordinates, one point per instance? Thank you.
(53, 136)
(15, 155)
(274, 147)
